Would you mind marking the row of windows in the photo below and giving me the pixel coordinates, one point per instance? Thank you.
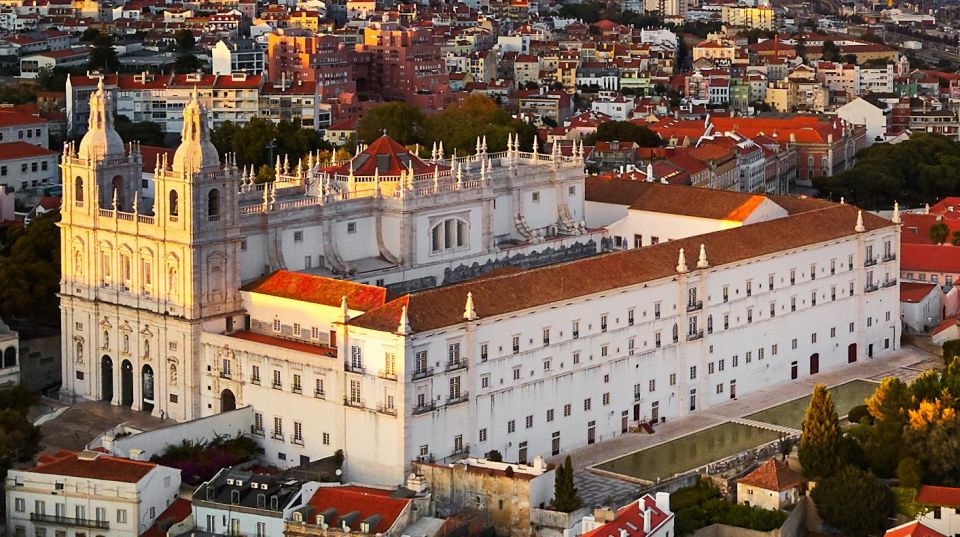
(80, 511)
(24, 167)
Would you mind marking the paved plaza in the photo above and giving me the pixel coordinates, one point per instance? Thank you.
(594, 489)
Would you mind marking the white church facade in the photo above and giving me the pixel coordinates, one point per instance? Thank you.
(373, 306)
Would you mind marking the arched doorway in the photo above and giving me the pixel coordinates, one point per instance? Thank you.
(106, 378)
(117, 188)
(126, 383)
(146, 387)
(814, 363)
(852, 353)
(228, 401)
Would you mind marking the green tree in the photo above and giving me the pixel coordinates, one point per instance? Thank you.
(854, 502)
(888, 410)
(909, 473)
(185, 40)
(565, 496)
(951, 349)
(939, 233)
(145, 132)
(459, 125)
(89, 35)
(819, 449)
(624, 131)
(830, 52)
(187, 63)
(102, 55)
(401, 121)
(801, 48)
(30, 272)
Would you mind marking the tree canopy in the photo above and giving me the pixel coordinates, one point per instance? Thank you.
(819, 449)
(924, 168)
(854, 502)
(252, 142)
(145, 132)
(30, 272)
(404, 123)
(624, 131)
(565, 496)
(102, 55)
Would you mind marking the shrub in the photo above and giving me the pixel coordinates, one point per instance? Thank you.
(908, 471)
(494, 456)
(199, 461)
(693, 495)
(951, 349)
(858, 413)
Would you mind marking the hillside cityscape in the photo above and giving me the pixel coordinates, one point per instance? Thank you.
(536, 268)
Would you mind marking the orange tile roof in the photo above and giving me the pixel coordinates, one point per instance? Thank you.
(102, 467)
(913, 529)
(286, 343)
(385, 156)
(943, 496)
(773, 475)
(913, 292)
(674, 199)
(440, 307)
(629, 520)
(367, 501)
(318, 290)
(12, 119)
(18, 150)
(930, 258)
(179, 510)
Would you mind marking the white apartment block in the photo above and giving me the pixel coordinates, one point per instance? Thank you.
(88, 494)
(18, 127)
(24, 166)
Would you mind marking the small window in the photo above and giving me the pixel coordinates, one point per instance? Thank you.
(351, 227)
(297, 236)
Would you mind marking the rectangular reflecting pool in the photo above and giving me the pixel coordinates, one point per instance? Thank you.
(689, 452)
(790, 414)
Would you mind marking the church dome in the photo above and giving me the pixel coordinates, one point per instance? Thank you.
(101, 139)
(196, 152)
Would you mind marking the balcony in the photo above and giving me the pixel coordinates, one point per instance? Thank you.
(297, 441)
(428, 406)
(420, 374)
(297, 389)
(70, 521)
(870, 287)
(695, 305)
(454, 365)
(384, 409)
(695, 335)
(256, 431)
(890, 283)
(353, 368)
(870, 261)
(388, 374)
(255, 380)
(319, 394)
(226, 375)
(277, 435)
(353, 402)
(889, 257)
(277, 386)
(456, 399)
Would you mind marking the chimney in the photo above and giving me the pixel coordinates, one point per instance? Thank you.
(663, 501)
(646, 520)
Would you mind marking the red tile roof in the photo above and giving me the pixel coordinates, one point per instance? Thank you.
(912, 292)
(177, 512)
(286, 343)
(942, 496)
(629, 520)
(318, 290)
(11, 119)
(150, 154)
(19, 150)
(366, 501)
(443, 306)
(674, 199)
(773, 475)
(930, 258)
(385, 156)
(913, 529)
(99, 466)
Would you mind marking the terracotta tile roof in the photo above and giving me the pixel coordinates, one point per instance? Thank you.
(364, 500)
(286, 343)
(930, 258)
(177, 512)
(150, 154)
(913, 292)
(674, 199)
(441, 307)
(387, 157)
(100, 466)
(949, 322)
(913, 529)
(348, 124)
(942, 496)
(629, 520)
(18, 150)
(773, 475)
(318, 290)
(12, 119)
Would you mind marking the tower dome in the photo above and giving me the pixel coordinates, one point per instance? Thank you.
(101, 139)
(196, 152)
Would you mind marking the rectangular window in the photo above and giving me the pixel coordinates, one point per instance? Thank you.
(511, 426)
(546, 337)
(549, 415)
(529, 422)
(277, 426)
(586, 404)
(276, 379)
(630, 317)
(567, 410)
(673, 379)
(483, 435)
(355, 391)
(297, 432)
(652, 385)
(297, 330)
(603, 323)
(356, 357)
(483, 352)
(693, 372)
(255, 375)
(297, 387)
(606, 399)
(516, 344)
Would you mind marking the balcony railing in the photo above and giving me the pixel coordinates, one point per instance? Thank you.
(424, 408)
(256, 431)
(454, 365)
(297, 441)
(870, 261)
(889, 257)
(70, 521)
(226, 375)
(387, 374)
(695, 305)
(319, 394)
(458, 398)
(384, 409)
(297, 389)
(870, 287)
(890, 283)
(422, 373)
(695, 335)
(277, 385)
(353, 402)
(277, 435)
(347, 366)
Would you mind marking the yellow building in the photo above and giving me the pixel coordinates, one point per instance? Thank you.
(760, 17)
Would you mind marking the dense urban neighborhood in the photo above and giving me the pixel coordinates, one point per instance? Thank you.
(619, 268)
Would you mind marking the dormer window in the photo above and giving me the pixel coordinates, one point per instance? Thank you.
(274, 503)
(235, 497)
(261, 500)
